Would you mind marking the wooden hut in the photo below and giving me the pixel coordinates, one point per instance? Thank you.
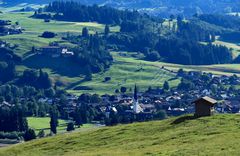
(204, 106)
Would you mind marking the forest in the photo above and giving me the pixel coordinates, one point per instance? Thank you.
(74, 11)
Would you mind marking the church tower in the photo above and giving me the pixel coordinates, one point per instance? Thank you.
(136, 108)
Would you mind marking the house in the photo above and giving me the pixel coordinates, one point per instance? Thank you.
(5, 104)
(7, 29)
(66, 53)
(204, 106)
(110, 109)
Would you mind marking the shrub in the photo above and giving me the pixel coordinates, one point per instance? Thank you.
(107, 79)
(70, 126)
(160, 115)
(10, 135)
(48, 34)
(29, 135)
(41, 134)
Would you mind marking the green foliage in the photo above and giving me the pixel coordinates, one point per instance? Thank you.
(41, 134)
(160, 115)
(70, 126)
(186, 85)
(54, 119)
(29, 135)
(78, 117)
(74, 11)
(36, 79)
(48, 34)
(85, 32)
(11, 135)
(226, 21)
(123, 90)
(13, 119)
(106, 30)
(166, 86)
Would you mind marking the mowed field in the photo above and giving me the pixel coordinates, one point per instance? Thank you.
(217, 135)
(44, 124)
(127, 70)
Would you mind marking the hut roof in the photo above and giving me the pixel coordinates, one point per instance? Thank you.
(209, 100)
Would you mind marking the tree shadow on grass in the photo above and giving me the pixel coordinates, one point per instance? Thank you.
(183, 119)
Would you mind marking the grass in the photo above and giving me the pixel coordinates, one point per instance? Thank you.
(35, 27)
(127, 71)
(234, 46)
(217, 135)
(124, 72)
(44, 123)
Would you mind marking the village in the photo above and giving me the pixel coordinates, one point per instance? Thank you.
(176, 101)
(206, 88)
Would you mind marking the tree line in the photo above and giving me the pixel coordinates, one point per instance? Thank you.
(75, 11)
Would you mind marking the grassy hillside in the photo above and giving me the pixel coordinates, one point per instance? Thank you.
(234, 46)
(217, 135)
(128, 70)
(35, 27)
(125, 71)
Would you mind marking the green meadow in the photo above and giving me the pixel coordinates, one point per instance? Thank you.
(35, 27)
(234, 46)
(44, 124)
(217, 135)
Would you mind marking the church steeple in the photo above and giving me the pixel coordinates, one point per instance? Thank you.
(135, 93)
(136, 108)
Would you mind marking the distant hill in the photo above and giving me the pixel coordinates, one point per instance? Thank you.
(159, 7)
(216, 135)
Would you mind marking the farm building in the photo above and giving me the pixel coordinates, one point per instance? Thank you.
(56, 51)
(204, 106)
(53, 51)
(7, 29)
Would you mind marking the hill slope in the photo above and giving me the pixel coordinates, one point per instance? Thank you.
(217, 135)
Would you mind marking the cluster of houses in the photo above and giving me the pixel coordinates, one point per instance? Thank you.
(55, 51)
(201, 101)
(6, 28)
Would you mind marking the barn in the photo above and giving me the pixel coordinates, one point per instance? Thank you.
(204, 106)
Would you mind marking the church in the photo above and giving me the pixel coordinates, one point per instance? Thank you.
(136, 107)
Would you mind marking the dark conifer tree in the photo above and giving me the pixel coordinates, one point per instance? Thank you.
(77, 117)
(54, 119)
(106, 30)
(85, 32)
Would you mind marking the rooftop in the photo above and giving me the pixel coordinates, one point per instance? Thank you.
(206, 98)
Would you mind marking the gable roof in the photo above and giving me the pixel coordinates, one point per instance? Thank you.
(207, 99)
